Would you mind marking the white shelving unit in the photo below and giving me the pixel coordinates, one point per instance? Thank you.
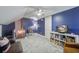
(60, 38)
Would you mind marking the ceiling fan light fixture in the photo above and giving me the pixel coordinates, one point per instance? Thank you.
(40, 10)
(39, 14)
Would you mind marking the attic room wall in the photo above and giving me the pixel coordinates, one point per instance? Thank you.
(70, 18)
(17, 25)
(41, 26)
(48, 26)
(29, 22)
(26, 23)
(0, 30)
(8, 29)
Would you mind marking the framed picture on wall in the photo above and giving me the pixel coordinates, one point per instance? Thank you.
(62, 28)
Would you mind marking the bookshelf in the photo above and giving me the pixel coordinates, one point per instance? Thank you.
(60, 38)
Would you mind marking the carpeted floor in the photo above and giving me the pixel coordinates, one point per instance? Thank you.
(37, 44)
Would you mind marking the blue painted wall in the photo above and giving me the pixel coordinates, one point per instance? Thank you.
(8, 29)
(28, 22)
(41, 28)
(69, 17)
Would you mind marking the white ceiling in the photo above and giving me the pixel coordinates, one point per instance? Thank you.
(9, 14)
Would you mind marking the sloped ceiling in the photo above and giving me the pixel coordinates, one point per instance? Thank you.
(9, 14)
